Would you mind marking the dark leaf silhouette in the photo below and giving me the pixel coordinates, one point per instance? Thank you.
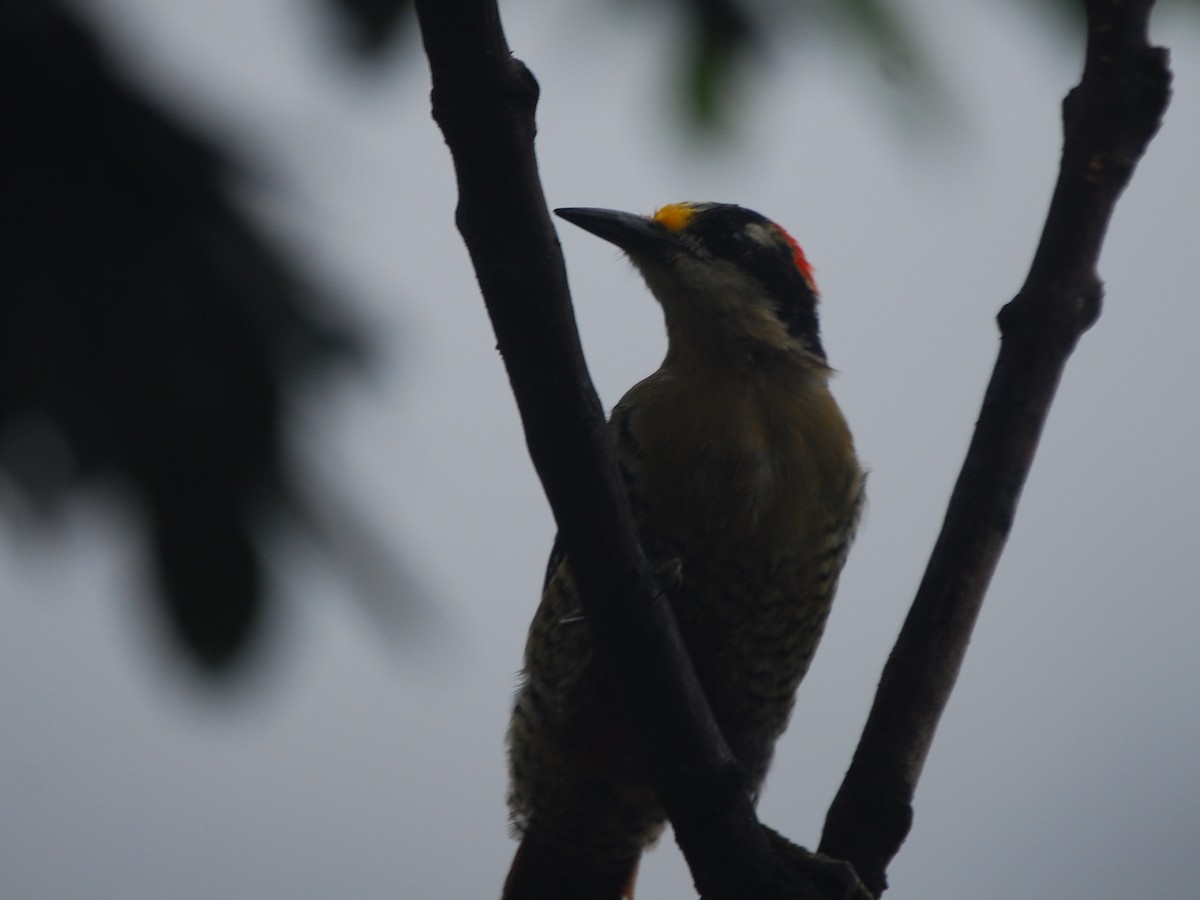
(147, 331)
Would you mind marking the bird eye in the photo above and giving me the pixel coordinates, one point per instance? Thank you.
(731, 244)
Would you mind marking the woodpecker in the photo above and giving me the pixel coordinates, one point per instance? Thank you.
(746, 491)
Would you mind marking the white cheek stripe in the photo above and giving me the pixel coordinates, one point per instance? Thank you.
(760, 233)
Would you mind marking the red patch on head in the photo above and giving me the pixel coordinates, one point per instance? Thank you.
(801, 260)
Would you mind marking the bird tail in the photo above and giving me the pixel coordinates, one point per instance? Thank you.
(541, 872)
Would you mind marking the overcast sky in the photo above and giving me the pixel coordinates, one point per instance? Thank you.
(352, 766)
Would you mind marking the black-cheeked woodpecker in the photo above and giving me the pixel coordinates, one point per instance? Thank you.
(746, 490)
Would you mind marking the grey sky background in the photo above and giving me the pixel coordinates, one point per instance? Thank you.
(352, 766)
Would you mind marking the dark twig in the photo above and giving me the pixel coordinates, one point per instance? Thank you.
(484, 101)
(1109, 120)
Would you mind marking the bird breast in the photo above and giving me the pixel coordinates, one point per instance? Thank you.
(754, 462)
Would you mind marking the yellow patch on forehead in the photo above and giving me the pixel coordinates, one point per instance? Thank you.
(675, 216)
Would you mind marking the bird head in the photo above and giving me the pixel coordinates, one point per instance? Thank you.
(726, 277)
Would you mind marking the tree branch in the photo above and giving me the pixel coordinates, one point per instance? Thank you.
(1109, 119)
(484, 101)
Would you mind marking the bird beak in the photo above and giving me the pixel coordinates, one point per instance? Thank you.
(634, 234)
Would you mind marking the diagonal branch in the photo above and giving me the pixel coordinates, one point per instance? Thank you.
(1109, 119)
(484, 101)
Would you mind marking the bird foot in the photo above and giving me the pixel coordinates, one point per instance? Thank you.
(835, 878)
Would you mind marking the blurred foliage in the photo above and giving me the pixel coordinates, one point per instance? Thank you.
(374, 25)
(720, 31)
(725, 36)
(149, 335)
(720, 38)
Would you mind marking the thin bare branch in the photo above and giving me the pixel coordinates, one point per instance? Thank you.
(1109, 119)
